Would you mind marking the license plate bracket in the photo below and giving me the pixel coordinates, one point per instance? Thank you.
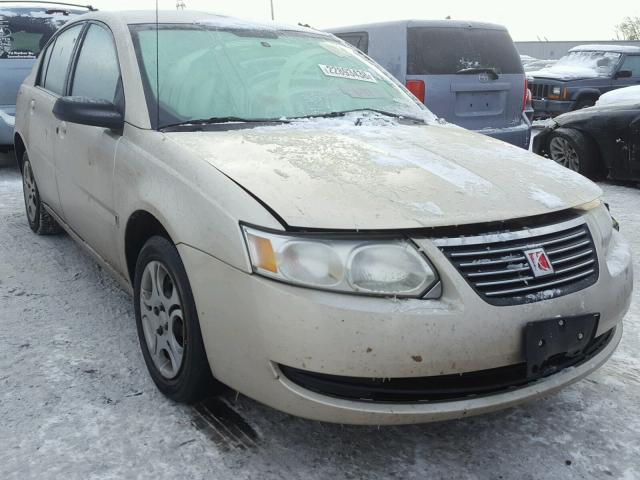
(549, 343)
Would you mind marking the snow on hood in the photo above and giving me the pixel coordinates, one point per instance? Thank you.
(567, 72)
(334, 174)
(628, 95)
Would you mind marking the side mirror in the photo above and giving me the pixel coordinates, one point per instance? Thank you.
(89, 111)
(623, 74)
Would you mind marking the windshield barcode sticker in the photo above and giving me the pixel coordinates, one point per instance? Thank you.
(345, 72)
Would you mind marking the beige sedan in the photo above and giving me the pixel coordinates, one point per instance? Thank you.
(293, 224)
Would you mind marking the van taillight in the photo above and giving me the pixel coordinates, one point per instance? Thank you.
(526, 95)
(417, 88)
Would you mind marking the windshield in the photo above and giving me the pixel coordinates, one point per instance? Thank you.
(591, 64)
(258, 74)
(24, 31)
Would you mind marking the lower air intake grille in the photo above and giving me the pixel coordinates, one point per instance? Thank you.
(526, 266)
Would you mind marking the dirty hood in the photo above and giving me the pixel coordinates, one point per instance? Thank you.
(335, 174)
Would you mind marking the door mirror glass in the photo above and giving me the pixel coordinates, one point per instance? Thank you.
(623, 74)
(93, 112)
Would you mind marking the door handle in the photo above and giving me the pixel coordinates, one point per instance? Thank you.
(32, 105)
(61, 130)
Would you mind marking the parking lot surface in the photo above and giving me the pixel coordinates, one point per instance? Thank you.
(76, 401)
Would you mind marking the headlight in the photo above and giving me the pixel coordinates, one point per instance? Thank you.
(556, 91)
(372, 267)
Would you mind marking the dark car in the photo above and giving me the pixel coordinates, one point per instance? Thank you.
(579, 78)
(601, 140)
(25, 28)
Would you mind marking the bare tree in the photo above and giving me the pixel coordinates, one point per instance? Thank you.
(628, 29)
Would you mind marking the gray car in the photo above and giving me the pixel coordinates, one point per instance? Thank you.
(25, 28)
(468, 73)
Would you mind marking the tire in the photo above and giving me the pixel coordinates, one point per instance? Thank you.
(574, 150)
(168, 325)
(584, 103)
(40, 221)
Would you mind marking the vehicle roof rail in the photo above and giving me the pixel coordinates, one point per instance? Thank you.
(91, 8)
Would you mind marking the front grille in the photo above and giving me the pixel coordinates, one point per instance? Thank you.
(441, 387)
(495, 265)
(539, 90)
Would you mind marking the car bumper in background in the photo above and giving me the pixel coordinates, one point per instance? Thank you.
(7, 123)
(267, 339)
(550, 108)
(519, 135)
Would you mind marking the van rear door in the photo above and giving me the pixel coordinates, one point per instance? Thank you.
(473, 75)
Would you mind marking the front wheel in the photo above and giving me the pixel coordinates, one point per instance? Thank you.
(168, 325)
(574, 150)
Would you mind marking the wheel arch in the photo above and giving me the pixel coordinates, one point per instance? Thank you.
(587, 93)
(19, 149)
(141, 226)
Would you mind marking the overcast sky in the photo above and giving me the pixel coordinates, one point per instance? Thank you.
(526, 20)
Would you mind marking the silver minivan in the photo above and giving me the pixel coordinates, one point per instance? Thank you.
(25, 28)
(468, 73)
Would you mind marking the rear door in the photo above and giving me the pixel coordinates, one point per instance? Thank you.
(473, 76)
(50, 85)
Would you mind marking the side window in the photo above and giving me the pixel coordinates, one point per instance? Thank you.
(56, 73)
(45, 64)
(360, 40)
(632, 63)
(97, 72)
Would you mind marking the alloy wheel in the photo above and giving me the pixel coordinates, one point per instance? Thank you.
(563, 153)
(30, 192)
(162, 319)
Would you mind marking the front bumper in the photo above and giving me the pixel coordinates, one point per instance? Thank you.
(7, 123)
(252, 325)
(550, 108)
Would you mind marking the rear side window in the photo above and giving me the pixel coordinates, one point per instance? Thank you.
(56, 71)
(97, 71)
(632, 63)
(446, 51)
(24, 31)
(360, 40)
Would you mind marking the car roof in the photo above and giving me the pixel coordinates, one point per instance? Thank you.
(190, 17)
(421, 23)
(606, 48)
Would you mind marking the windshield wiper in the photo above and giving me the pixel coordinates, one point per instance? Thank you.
(215, 120)
(345, 112)
(470, 71)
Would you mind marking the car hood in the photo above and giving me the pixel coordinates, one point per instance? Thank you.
(564, 73)
(341, 174)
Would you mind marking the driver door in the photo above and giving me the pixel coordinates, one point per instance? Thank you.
(85, 154)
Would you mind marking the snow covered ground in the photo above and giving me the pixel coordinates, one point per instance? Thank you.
(76, 401)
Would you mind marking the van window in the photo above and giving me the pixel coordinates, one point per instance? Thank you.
(24, 31)
(445, 51)
(97, 71)
(360, 40)
(56, 73)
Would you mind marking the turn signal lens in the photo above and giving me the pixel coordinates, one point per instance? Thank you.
(262, 253)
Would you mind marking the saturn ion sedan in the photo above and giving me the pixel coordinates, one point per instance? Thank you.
(294, 224)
